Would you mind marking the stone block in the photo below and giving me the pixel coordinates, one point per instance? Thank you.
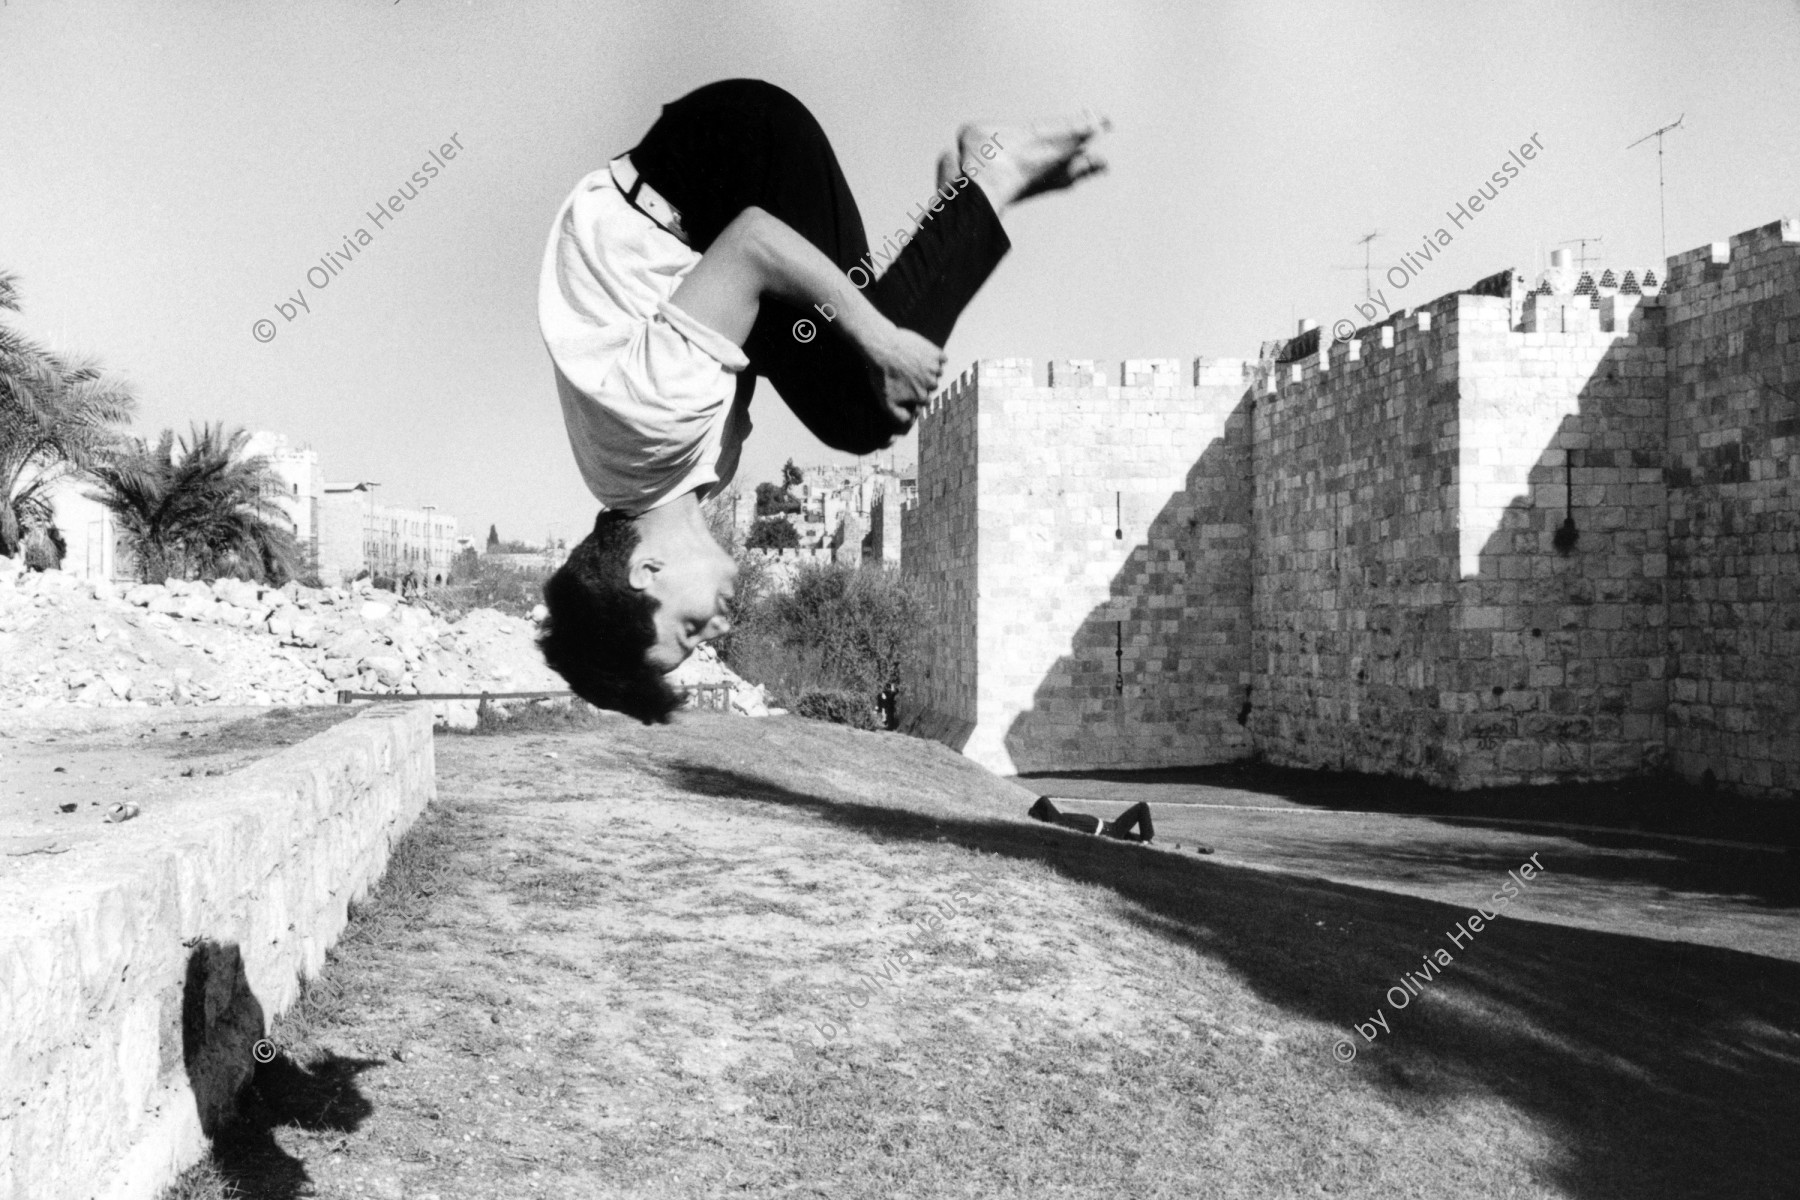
(1366, 481)
(1521, 757)
(180, 935)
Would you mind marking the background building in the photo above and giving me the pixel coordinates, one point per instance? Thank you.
(853, 510)
(300, 491)
(95, 548)
(358, 534)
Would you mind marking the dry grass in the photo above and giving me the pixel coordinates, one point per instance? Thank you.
(625, 961)
(555, 715)
(263, 733)
(205, 1181)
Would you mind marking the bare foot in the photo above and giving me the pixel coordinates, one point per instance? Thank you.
(946, 170)
(1025, 161)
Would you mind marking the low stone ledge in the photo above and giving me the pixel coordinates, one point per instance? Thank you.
(131, 997)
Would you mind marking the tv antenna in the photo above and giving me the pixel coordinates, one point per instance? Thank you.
(1366, 268)
(1582, 258)
(1661, 205)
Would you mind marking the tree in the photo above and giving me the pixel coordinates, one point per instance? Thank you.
(44, 548)
(790, 476)
(57, 417)
(493, 542)
(478, 581)
(199, 508)
(837, 644)
(773, 533)
(867, 623)
(772, 500)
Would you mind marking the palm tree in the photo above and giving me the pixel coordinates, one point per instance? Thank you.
(198, 508)
(57, 417)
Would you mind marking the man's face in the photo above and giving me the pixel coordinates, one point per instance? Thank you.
(694, 592)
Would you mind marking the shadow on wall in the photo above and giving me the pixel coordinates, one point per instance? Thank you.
(1636, 609)
(1559, 667)
(1604, 1041)
(1420, 610)
(242, 1103)
(1146, 681)
(1473, 577)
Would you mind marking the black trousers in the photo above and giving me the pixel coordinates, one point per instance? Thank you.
(1137, 818)
(826, 381)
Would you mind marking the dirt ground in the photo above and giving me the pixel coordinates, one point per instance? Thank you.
(777, 958)
(61, 770)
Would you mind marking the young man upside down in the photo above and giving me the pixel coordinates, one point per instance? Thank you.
(724, 246)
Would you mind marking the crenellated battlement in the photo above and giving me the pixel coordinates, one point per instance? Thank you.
(1430, 329)
(1311, 358)
(1563, 301)
(993, 372)
(1170, 377)
(1707, 264)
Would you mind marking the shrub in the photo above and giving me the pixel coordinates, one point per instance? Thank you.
(867, 622)
(838, 706)
(838, 628)
(785, 670)
(536, 716)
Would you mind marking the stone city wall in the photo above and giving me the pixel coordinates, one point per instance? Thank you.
(1508, 537)
(1098, 501)
(1415, 615)
(1734, 511)
(938, 537)
(132, 996)
(1354, 564)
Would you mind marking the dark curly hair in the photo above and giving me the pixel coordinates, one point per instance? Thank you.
(600, 628)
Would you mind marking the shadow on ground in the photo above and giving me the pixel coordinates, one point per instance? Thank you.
(241, 1102)
(1607, 817)
(321, 1098)
(1658, 1068)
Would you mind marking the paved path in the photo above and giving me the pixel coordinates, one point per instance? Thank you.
(1712, 891)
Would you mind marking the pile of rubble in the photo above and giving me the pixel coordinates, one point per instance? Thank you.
(703, 669)
(68, 641)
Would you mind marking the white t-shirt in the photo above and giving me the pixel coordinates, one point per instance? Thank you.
(647, 391)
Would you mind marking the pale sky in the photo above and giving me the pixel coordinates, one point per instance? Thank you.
(169, 171)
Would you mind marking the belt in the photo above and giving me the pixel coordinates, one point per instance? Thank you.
(646, 199)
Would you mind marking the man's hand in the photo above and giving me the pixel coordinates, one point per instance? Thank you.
(758, 254)
(910, 367)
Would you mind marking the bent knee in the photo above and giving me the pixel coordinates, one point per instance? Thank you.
(747, 234)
